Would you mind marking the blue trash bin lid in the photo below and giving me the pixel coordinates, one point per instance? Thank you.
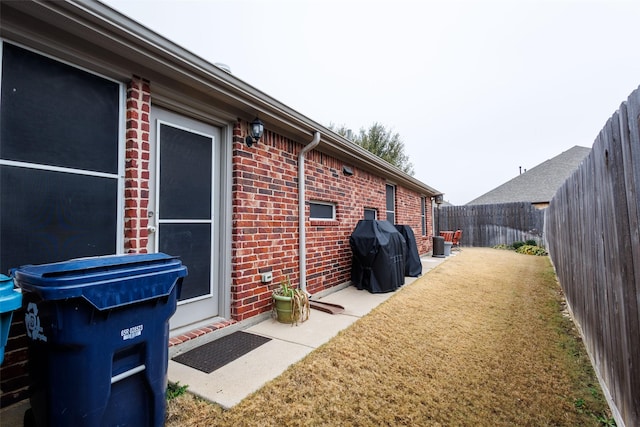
(106, 281)
(10, 299)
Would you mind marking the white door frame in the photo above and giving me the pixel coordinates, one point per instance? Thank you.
(207, 308)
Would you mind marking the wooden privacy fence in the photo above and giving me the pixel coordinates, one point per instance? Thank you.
(490, 225)
(592, 230)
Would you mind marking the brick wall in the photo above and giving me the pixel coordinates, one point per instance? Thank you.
(328, 249)
(409, 211)
(136, 183)
(14, 374)
(265, 218)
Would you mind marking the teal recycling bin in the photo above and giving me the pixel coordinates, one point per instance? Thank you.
(10, 300)
(98, 332)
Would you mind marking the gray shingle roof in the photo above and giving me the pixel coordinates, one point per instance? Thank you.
(538, 184)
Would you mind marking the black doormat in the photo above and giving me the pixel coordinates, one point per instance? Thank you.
(215, 354)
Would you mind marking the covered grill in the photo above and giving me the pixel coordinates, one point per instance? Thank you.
(379, 253)
(412, 265)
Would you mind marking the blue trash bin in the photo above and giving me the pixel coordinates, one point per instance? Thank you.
(98, 332)
(10, 300)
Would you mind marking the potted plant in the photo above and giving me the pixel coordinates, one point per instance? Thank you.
(290, 305)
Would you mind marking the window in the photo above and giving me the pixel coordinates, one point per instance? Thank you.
(60, 174)
(322, 210)
(56, 115)
(391, 204)
(370, 213)
(423, 216)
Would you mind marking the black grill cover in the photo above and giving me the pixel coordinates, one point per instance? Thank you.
(378, 256)
(412, 265)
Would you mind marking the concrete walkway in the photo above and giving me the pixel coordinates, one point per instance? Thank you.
(228, 385)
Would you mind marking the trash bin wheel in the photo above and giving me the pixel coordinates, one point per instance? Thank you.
(29, 419)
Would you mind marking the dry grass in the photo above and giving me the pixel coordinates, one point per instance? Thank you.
(480, 340)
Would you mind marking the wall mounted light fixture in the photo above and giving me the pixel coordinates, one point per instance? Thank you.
(256, 129)
(347, 170)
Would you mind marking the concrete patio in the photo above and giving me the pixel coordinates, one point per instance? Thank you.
(231, 383)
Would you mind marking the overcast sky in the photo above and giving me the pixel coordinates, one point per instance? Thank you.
(475, 89)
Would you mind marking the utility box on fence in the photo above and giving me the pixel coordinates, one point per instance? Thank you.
(98, 332)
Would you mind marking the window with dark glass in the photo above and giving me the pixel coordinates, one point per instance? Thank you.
(318, 210)
(59, 160)
(423, 215)
(185, 204)
(57, 115)
(185, 182)
(391, 204)
(370, 213)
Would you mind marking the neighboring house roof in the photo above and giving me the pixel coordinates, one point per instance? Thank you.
(88, 26)
(538, 184)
